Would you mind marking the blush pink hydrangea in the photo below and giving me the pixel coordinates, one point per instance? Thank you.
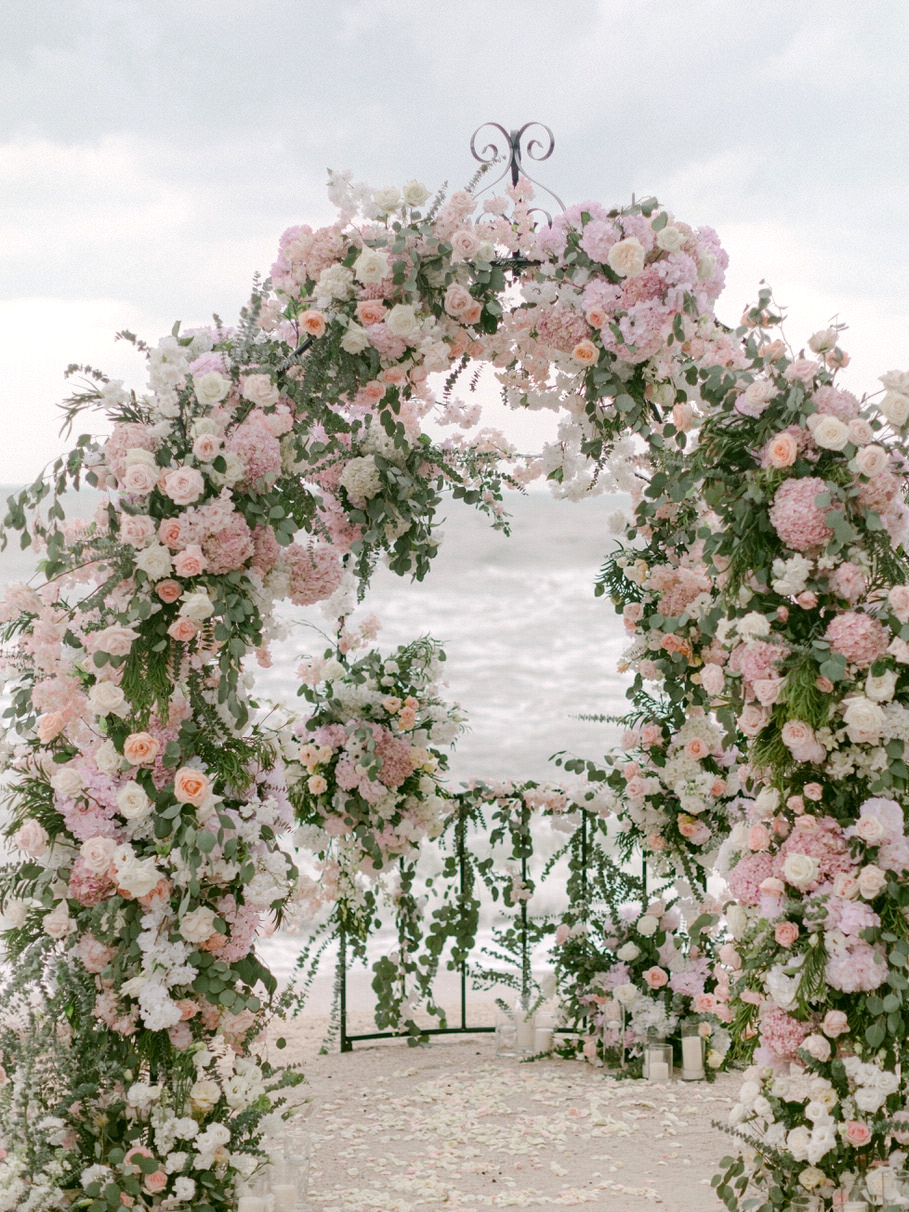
(796, 517)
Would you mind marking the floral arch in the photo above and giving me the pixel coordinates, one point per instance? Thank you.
(762, 578)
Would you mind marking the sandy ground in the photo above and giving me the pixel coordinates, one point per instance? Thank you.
(453, 1126)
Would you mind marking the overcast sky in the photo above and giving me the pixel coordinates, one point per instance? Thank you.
(152, 151)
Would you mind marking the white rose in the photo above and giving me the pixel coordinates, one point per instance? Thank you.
(880, 687)
(198, 925)
(335, 282)
(234, 470)
(197, 606)
(823, 340)
(58, 924)
(817, 1046)
(106, 698)
(107, 759)
(871, 882)
(753, 626)
(797, 1142)
(135, 875)
(626, 257)
(895, 408)
(896, 380)
(156, 562)
(386, 199)
(97, 853)
(402, 322)
(736, 920)
(799, 870)
(204, 1094)
(628, 953)
(871, 830)
(767, 802)
(414, 193)
(259, 389)
(830, 433)
(137, 456)
(811, 1177)
(67, 781)
(133, 802)
(872, 460)
(210, 388)
(648, 925)
(371, 265)
(669, 238)
(864, 720)
(355, 340)
(626, 995)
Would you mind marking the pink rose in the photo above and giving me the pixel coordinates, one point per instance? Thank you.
(169, 532)
(845, 886)
(758, 838)
(207, 446)
(259, 389)
(835, 1023)
(713, 679)
(31, 838)
(785, 933)
(155, 1182)
(183, 630)
(753, 719)
(182, 484)
(697, 748)
(457, 299)
(190, 562)
(136, 529)
(168, 591)
(656, 978)
(856, 1133)
(562, 934)
(139, 479)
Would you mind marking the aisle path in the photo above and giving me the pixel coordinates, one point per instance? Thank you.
(452, 1127)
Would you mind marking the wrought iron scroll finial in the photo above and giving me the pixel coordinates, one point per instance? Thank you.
(513, 146)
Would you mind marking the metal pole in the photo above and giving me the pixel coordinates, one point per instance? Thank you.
(346, 1045)
(460, 838)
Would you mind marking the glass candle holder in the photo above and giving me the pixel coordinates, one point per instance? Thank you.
(506, 1032)
(692, 1052)
(657, 1061)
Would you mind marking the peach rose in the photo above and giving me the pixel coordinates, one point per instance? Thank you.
(585, 353)
(785, 933)
(471, 314)
(370, 311)
(140, 749)
(312, 323)
(898, 600)
(50, 725)
(696, 748)
(597, 317)
(781, 451)
(191, 786)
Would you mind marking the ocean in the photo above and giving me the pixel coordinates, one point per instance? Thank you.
(530, 649)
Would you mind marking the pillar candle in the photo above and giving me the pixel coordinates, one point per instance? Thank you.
(285, 1197)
